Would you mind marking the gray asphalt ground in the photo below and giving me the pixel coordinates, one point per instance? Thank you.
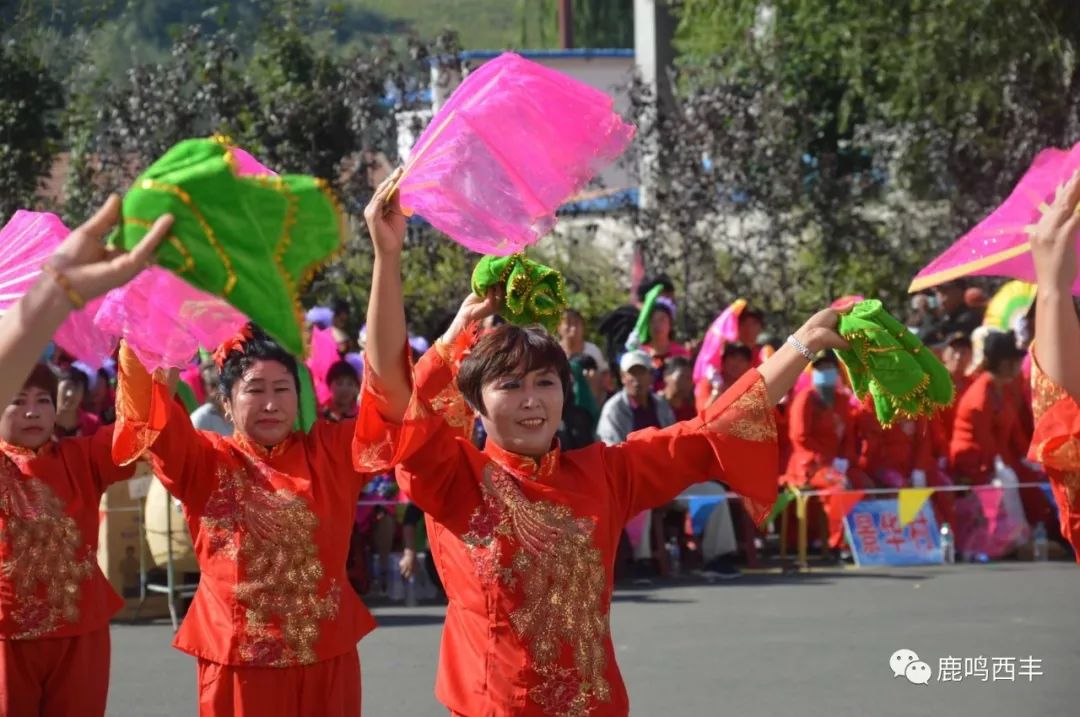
(811, 645)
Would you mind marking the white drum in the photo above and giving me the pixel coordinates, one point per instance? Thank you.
(158, 501)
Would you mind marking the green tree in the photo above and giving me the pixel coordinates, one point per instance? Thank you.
(30, 99)
(825, 148)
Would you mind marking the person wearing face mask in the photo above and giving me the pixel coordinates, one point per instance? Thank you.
(274, 624)
(525, 534)
(821, 427)
(55, 603)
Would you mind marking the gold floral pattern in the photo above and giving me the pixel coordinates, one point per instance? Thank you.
(559, 575)
(749, 418)
(46, 554)
(452, 406)
(1044, 392)
(1064, 459)
(270, 533)
(375, 457)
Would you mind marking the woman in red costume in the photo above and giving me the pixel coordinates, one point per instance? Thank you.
(525, 534)
(1055, 371)
(274, 624)
(55, 604)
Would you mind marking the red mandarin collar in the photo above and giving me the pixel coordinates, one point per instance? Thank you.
(20, 455)
(259, 452)
(523, 467)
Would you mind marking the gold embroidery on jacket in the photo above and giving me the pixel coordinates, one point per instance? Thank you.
(46, 550)
(749, 417)
(271, 535)
(451, 405)
(561, 578)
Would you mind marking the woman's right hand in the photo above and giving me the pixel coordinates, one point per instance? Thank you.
(474, 308)
(1053, 240)
(820, 332)
(91, 269)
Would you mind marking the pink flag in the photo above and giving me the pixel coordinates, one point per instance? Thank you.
(724, 330)
(324, 354)
(514, 142)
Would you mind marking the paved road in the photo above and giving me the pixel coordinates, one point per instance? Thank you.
(802, 645)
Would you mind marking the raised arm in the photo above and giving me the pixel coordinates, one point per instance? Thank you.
(80, 270)
(387, 335)
(1057, 329)
(439, 478)
(150, 423)
(734, 440)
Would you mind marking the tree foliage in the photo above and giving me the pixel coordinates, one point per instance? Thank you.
(824, 148)
(30, 99)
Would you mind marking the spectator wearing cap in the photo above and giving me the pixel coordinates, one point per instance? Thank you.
(636, 406)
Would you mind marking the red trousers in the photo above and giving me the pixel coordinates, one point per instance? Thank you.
(330, 688)
(56, 676)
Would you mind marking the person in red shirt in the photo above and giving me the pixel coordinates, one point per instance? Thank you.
(55, 603)
(821, 425)
(989, 426)
(525, 534)
(904, 455)
(274, 625)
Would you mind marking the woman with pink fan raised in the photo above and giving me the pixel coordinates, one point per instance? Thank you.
(55, 604)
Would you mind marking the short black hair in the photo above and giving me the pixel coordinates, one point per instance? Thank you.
(502, 351)
(75, 376)
(998, 348)
(584, 361)
(342, 369)
(736, 349)
(43, 377)
(659, 280)
(675, 363)
(826, 358)
(260, 347)
(341, 306)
